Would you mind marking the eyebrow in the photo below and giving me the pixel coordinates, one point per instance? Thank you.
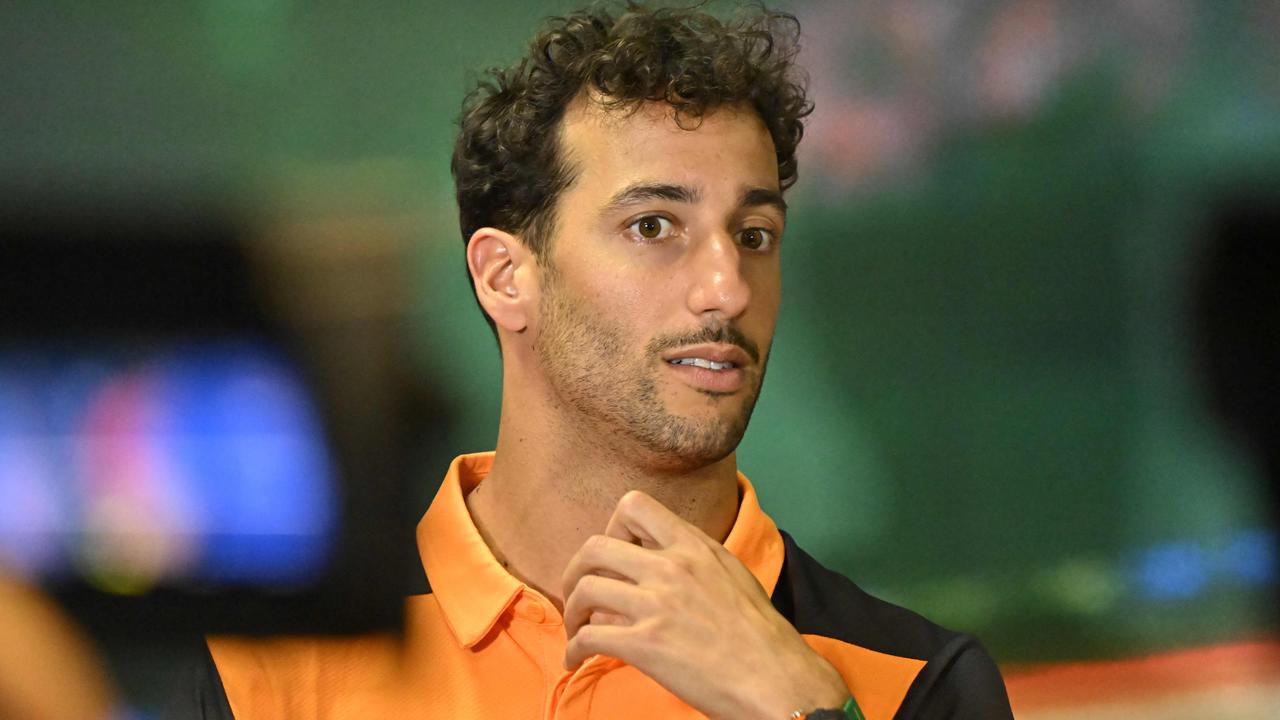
(755, 197)
(643, 192)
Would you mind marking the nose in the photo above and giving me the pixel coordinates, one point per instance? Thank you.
(718, 285)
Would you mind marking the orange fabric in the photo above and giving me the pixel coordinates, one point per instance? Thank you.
(485, 645)
(878, 681)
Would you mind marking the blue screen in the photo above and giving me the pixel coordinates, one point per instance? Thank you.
(180, 464)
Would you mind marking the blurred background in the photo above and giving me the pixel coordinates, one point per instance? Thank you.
(238, 349)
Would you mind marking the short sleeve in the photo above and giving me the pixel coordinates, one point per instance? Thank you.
(960, 682)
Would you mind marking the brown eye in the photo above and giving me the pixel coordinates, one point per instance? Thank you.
(651, 227)
(756, 239)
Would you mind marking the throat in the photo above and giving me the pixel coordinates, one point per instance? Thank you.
(535, 520)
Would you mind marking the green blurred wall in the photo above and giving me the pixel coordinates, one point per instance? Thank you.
(981, 401)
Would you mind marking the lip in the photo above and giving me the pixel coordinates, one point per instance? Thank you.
(718, 381)
(715, 352)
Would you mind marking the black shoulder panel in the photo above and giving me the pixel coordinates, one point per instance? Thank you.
(819, 601)
(960, 683)
(416, 583)
(959, 680)
(199, 695)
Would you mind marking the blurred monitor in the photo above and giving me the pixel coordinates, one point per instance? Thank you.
(168, 461)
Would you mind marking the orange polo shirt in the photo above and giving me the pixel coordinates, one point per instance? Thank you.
(483, 644)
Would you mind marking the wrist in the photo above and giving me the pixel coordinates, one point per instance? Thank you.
(832, 692)
(819, 687)
(829, 693)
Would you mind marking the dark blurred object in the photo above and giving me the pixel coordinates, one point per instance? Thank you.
(93, 270)
(1237, 315)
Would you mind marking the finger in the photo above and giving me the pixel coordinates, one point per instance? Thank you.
(611, 557)
(639, 518)
(600, 617)
(612, 640)
(594, 593)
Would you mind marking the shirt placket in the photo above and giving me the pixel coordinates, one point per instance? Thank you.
(539, 630)
(571, 699)
(569, 693)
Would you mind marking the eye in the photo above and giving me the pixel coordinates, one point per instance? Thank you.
(756, 239)
(651, 227)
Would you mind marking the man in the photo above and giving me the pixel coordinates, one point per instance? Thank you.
(621, 199)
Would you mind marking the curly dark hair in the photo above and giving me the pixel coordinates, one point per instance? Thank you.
(507, 165)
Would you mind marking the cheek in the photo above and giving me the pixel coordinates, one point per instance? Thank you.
(629, 290)
(636, 306)
(609, 313)
(760, 320)
(765, 281)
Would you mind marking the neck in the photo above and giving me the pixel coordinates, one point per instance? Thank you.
(547, 467)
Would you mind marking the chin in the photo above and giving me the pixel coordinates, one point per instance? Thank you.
(689, 444)
(683, 462)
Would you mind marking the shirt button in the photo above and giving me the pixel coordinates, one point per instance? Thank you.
(536, 612)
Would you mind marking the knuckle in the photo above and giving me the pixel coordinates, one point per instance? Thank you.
(683, 563)
(706, 551)
(631, 501)
(601, 617)
(588, 586)
(651, 634)
(624, 504)
(596, 545)
(673, 571)
(587, 639)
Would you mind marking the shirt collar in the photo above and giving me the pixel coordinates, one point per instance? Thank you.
(474, 590)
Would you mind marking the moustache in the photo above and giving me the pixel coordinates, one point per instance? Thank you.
(723, 333)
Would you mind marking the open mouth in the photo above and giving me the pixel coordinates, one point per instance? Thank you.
(703, 363)
(715, 368)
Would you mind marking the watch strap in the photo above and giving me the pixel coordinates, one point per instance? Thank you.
(850, 711)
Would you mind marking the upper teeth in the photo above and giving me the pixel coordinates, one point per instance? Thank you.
(703, 363)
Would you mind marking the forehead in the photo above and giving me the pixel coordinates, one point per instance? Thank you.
(613, 147)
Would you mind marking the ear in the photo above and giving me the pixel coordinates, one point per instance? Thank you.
(496, 260)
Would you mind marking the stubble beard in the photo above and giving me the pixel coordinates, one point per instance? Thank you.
(612, 388)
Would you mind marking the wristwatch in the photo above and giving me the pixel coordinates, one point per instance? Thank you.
(850, 711)
(823, 714)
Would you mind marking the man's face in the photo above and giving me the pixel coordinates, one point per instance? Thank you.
(661, 290)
